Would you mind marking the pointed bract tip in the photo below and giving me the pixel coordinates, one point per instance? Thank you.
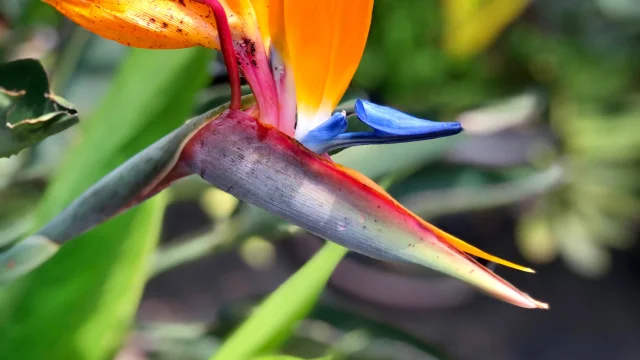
(534, 304)
(228, 53)
(541, 305)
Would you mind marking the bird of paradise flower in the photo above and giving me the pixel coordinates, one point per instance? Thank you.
(271, 149)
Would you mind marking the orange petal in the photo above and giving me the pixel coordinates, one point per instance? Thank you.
(472, 250)
(325, 41)
(152, 24)
(241, 8)
(243, 18)
(261, 10)
(276, 28)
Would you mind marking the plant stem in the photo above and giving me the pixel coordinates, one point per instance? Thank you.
(228, 53)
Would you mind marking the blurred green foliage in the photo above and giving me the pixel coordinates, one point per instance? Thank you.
(105, 269)
(273, 322)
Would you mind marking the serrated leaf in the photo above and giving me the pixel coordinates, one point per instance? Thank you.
(25, 84)
(29, 113)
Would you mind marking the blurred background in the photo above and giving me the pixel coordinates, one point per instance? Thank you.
(547, 174)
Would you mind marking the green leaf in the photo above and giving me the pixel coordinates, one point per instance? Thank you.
(353, 335)
(92, 286)
(25, 86)
(28, 111)
(273, 321)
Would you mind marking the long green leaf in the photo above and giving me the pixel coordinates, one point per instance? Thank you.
(270, 325)
(80, 303)
(66, 311)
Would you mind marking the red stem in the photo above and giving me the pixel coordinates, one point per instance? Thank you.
(228, 53)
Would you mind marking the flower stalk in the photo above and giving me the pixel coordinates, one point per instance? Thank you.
(227, 49)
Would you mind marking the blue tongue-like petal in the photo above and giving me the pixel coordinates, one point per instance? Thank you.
(388, 121)
(389, 126)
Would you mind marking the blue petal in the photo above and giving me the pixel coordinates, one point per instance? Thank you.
(389, 126)
(388, 121)
(317, 138)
